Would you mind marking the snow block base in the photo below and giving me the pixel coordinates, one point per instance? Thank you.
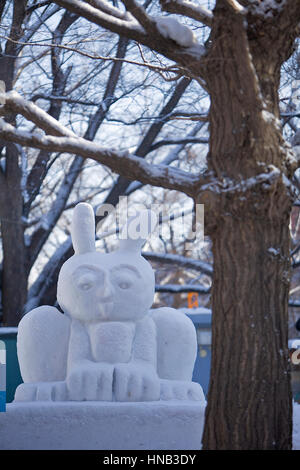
(159, 425)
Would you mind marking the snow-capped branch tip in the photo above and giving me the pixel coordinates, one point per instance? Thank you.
(235, 6)
(189, 9)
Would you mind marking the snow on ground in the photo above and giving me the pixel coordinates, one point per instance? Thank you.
(296, 432)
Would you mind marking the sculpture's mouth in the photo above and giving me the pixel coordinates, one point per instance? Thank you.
(105, 307)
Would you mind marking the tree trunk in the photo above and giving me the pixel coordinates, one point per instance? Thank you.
(247, 206)
(14, 276)
(250, 319)
(14, 281)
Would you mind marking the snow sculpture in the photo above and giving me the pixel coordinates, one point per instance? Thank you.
(108, 345)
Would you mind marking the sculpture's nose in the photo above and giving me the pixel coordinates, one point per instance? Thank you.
(104, 288)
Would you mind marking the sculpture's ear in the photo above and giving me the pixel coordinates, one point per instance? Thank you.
(83, 229)
(136, 230)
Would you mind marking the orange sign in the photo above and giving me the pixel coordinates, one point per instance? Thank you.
(193, 299)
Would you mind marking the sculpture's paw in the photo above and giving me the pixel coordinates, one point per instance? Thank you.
(92, 382)
(179, 390)
(134, 383)
(44, 391)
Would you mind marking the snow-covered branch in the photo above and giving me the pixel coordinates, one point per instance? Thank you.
(178, 260)
(171, 39)
(107, 8)
(294, 303)
(180, 289)
(127, 25)
(14, 103)
(130, 166)
(188, 140)
(189, 9)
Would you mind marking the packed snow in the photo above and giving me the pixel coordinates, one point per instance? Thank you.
(153, 425)
(110, 425)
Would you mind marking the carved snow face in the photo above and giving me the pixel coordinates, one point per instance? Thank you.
(94, 287)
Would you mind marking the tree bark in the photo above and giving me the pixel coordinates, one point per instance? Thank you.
(247, 203)
(14, 281)
(14, 277)
(249, 401)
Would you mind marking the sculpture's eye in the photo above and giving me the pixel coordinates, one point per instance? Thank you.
(86, 281)
(124, 284)
(85, 286)
(124, 276)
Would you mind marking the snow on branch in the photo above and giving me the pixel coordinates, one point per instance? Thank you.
(178, 260)
(14, 103)
(235, 6)
(180, 289)
(105, 17)
(189, 9)
(294, 303)
(107, 8)
(141, 27)
(179, 33)
(128, 165)
(266, 7)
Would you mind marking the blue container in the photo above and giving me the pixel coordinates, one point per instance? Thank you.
(13, 376)
(2, 376)
(201, 317)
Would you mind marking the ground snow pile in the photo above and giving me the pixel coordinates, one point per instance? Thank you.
(296, 431)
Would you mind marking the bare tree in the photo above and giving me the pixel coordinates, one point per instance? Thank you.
(66, 75)
(247, 191)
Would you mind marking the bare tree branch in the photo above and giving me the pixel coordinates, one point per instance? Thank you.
(161, 70)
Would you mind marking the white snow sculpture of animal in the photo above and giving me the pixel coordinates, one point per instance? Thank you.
(108, 345)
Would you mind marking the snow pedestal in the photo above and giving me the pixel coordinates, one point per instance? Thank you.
(102, 426)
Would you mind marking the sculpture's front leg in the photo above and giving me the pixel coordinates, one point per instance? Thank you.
(42, 391)
(90, 381)
(137, 380)
(87, 379)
